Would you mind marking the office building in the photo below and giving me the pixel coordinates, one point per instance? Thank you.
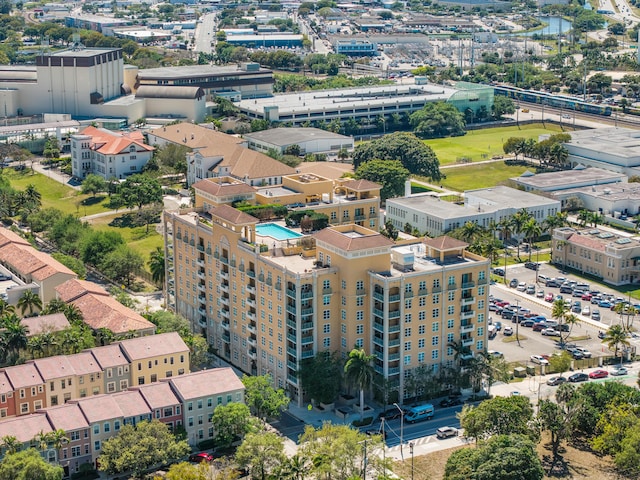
(310, 140)
(267, 297)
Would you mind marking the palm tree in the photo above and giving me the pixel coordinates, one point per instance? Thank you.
(505, 229)
(36, 346)
(531, 230)
(6, 308)
(297, 467)
(518, 220)
(54, 305)
(10, 444)
(469, 232)
(359, 370)
(73, 314)
(33, 196)
(614, 338)
(571, 320)
(157, 265)
(29, 301)
(554, 221)
(584, 217)
(15, 333)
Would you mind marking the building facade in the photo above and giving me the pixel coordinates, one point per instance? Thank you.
(264, 310)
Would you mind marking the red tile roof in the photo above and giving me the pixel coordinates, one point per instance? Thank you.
(158, 395)
(219, 189)
(72, 289)
(112, 143)
(205, 383)
(350, 243)
(54, 367)
(109, 356)
(131, 403)
(26, 427)
(586, 241)
(445, 242)
(7, 236)
(28, 261)
(98, 408)
(233, 215)
(84, 363)
(5, 385)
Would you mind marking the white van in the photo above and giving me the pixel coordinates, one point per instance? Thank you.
(419, 413)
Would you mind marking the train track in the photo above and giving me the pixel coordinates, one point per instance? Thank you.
(616, 119)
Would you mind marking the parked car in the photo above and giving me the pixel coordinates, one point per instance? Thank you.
(599, 374)
(530, 290)
(4, 277)
(548, 297)
(605, 304)
(390, 414)
(543, 278)
(528, 323)
(513, 283)
(577, 355)
(522, 286)
(201, 457)
(531, 265)
(550, 332)
(539, 360)
(566, 288)
(587, 297)
(578, 377)
(446, 432)
(495, 353)
(499, 271)
(540, 326)
(552, 282)
(585, 353)
(554, 381)
(586, 311)
(619, 370)
(576, 307)
(540, 294)
(450, 402)
(498, 326)
(595, 314)
(507, 331)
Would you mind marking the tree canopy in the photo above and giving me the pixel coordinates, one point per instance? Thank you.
(498, 416)
(438, 119)
(137, 448)
(389, 173)
(231, 422)
(264, 400)
(417, 157)
(28, 465)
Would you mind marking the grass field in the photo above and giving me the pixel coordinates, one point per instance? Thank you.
(485, 175)
(135, 237)
(477, 143)
(55, 194)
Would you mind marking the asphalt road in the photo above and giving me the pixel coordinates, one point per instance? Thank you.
(205, 33)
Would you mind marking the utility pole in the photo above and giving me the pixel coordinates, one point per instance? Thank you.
(364, 462)
(517, 322)
(401, 429)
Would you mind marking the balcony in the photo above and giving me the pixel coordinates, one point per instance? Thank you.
(251, 289)
(378, 312)
(224, 260)
(292, 365)
(307, 340)
(379, 355)
(252, 327)
(327, 291)
(378, 326)
(208, 251)
(200, 263)
(292, 337)
(306, 294)
(482, 281)
(251, 315)
(361, 291)
(251, 302)
(291, 323)
(253, 353)
(378, 341)
(452, 286)
(394, 328)
(252, 341)
(292, 379)
(468, 301)
(202, 311)
(436, 290)
(467, 315)
(202, 323)
(306, 325)
(225, 324)
(378, 296)
(394, 298)
(241, 267)
(394, 314)
(467, 342)
(200, 247)
(226, 337)
(468, 328)
(394, 357)
(394, 370)
(291, 292)
(224, 301)
(292, 351)
(224, 288)
(379, 369)
(422, 292)
(232, 263)
(468, 284)
(278, 286)
(291, 309)
(394, 343)
(202, 298)
(224, 275)
(216, 254)
(408, 294)
(201, 274)
(306, 311)
(251, 273)
(225, 312)
(359, 218)
(308, 354)
(202, 287)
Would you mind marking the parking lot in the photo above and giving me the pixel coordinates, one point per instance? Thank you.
(584, 334)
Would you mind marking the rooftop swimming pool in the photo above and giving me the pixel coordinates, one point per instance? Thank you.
(275, 231)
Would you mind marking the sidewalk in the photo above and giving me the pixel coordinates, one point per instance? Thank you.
(55, 175)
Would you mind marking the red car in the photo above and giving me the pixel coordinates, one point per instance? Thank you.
(548, 297)
(502, 304)
(599, 374)
(586, 296)
(201, 457)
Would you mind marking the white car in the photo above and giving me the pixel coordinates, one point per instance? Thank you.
(586, 311)
(550, 332)
(585, 353)
(507, 331)
(446, 432)
(539, 359)
(522, 286)
(617, 371)
(495, 353)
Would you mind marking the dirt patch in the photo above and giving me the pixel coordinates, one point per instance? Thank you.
(576, 462)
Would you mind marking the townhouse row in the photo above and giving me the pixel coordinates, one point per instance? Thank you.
(52, 381)
(188, 400)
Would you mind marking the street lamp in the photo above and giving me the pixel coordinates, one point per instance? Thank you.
(411, 450)
(401, 428)
(517, 321)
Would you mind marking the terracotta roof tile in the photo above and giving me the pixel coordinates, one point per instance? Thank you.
(28, 261)
(350, 243)
(51, 368)
(445, 242)
(45, 323)
(99, 311)
(7, 236)
(74, 288)
(84, 363)
(153, 345)
(233, 215)
(99, 408)
(205, 383)
(5, 385)
(26, 427)
(585, 241)
(361, 185)
(219, 189)
(330, 170)
(24, 376)
(193, 136)
(112, 143)
(67, 417)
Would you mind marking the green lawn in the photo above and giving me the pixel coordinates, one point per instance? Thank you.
(479, 176)
(489, 141)
(56, 195)
(135, 237)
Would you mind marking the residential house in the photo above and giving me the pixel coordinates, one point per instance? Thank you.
(115, 367)
(133, 406)
(101, 310)
(72, 421)
(28, 387)
(163, 402)
(155, 357)
(59, 379)
(7, 399)
(55, 322)
(26, 429)
(89, 374)
(200, 393)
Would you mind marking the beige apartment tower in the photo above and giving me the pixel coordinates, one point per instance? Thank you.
(265, 306)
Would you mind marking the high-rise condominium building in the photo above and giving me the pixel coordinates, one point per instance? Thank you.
(266, 297)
